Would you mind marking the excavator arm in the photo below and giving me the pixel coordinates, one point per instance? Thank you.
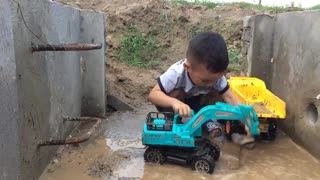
(223, 111)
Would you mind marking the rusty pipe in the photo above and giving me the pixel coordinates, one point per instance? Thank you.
(66, 47)
(76, 140)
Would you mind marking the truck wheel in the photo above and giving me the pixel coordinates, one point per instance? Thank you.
(233, 127)
(204, 164)
(216, 152)
(272, 131)
(154, 155)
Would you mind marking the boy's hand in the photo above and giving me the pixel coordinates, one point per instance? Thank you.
(181, 108)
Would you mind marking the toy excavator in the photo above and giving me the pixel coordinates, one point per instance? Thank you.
(168, 139)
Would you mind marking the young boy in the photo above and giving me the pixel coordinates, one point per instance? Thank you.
(192, 83)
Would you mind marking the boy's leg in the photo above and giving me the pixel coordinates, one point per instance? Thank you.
(212, 129)
(237, 138)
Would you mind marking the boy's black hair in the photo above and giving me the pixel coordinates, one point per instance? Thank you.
(210, 49)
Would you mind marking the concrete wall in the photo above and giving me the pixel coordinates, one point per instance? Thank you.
(93, 86)
(9, 152)
(294, 70)
(42, 87)
(259, 34)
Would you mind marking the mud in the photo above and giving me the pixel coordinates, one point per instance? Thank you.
(116, 152)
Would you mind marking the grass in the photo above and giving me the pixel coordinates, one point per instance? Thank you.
(207, 4)
(234, 60)
(143, 49)
(267, 8)
(316, 7)
(163, 25)
(243, 5)
(70, 1)
(234, 56)
(138, 49)
(197, 29)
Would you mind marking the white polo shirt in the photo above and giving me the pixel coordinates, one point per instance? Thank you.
(176, 77)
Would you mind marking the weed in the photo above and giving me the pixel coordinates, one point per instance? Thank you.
(138, 49)
(234, 60)
(197, 29)
(316, 7)
(70, 1)
(207, 4)
(243, 5)
(234, 56)
(180, 2)
(165, 17)
(163, 25)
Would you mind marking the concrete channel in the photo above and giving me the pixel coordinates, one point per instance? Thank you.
(116, 152)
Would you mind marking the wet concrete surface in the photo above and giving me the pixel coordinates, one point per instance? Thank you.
(116, 152)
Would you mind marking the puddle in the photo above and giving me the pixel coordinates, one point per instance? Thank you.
(117, 153)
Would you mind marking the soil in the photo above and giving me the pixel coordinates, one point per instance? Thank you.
(132, 84)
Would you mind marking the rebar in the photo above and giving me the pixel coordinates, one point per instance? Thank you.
(66, 47)
(76, 140)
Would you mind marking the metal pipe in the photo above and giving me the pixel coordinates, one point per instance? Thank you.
(66, 47)
(76, 140)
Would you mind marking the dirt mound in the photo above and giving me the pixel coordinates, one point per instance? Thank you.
(169, 27)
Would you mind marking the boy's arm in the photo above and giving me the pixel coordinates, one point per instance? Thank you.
(230, 98)
(159, 98)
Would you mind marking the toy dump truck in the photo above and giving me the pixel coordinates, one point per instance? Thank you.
(269, 108)
(168, 139)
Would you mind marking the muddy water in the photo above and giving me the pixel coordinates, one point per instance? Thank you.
(116, 153)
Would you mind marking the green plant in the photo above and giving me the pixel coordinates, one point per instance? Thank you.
(165, 17)
(138, 49)
(180, 2)
(70, 1)
(234, 56)
(243, 5)
(234, 60)
(163, 25)
(207, 4)
(197, 29)
(316, 7)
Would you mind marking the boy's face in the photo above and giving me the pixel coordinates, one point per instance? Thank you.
(201, 76)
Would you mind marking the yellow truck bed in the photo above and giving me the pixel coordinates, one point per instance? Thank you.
(253, 91)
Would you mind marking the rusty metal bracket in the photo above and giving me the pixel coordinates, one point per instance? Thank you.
(66, 47)
(76, 140)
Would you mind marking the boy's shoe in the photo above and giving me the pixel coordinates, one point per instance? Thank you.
(243, 140)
